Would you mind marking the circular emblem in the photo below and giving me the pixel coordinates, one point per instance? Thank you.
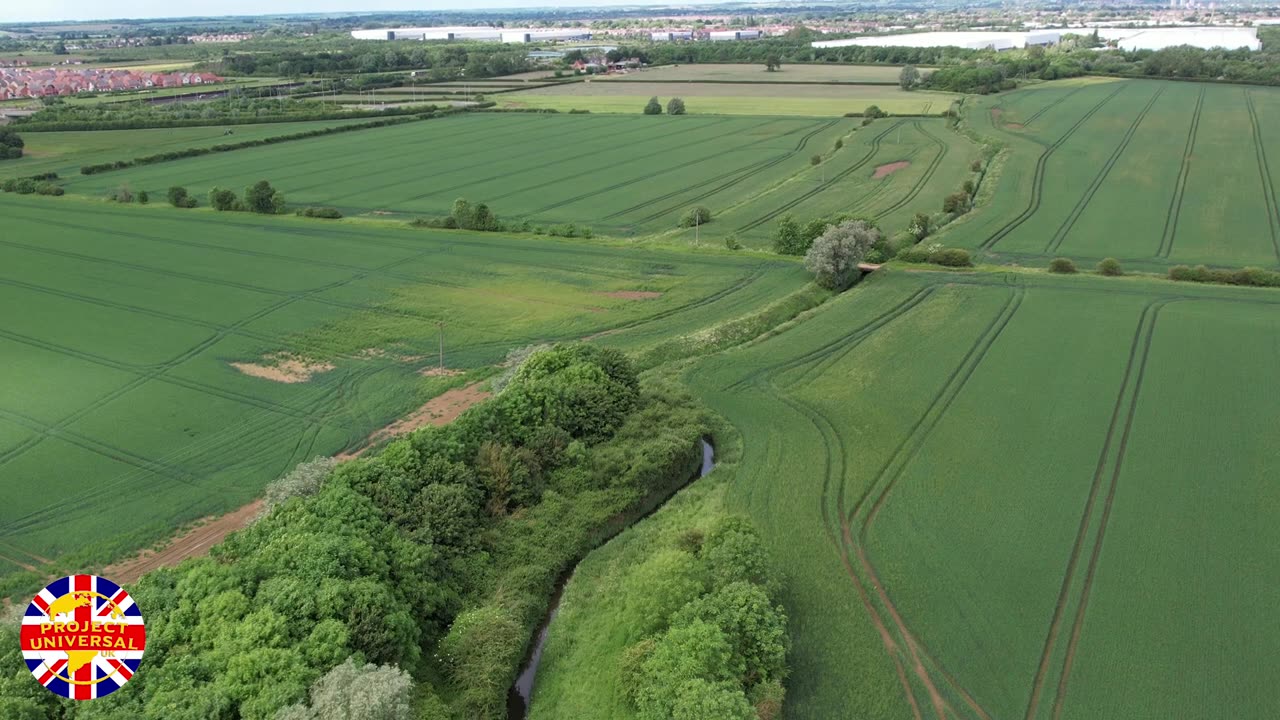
(83, 637)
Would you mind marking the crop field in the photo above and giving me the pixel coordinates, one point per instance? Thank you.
(1152, 172)
(120, 397)
(65, 152)
(755, 72)
(630, 96)
(621, 176)
(1002, 495)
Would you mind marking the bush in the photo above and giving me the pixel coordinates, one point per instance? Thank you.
(675, 107)
(950, 257)
(223, 200)
(1253, 277)
(874, 111)
(914, 254)
(956, 203)
(839, 143)
(1182, 273)
(653, 107)
(143, 197)
(732, 243)
(976, 166)
(10, 185)
(48, 188)
(10, 144)
(122, 193)
(697, 215)
(328, 213)
(815, 160)
(261, 198)
(179, 198)
(1110, 267)
(866, 121)
(1062, 266)
(834, 256)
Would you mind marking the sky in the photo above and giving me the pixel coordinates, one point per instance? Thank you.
(12, 11)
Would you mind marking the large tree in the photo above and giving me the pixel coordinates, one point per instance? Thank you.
(909, 77)
(833, 259)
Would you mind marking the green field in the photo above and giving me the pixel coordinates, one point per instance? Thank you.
(630, 96)
(65, 152)
(119, 396)
(996, 495)
(625, 176)
(756, 72)
(1155, 173)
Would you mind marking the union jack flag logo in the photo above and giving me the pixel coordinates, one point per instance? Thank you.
(83, 637)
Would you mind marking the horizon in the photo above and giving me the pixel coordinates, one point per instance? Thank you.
(82, 11)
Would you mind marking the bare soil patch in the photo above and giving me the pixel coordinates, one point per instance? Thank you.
(192, 543)
(437, 371)
(440, 410)
(891, 168)
(284, 368)
(632, 294)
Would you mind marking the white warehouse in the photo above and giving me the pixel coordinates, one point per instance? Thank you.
(1231, 38)
(723, 35)
(472, 33)
(973, 40)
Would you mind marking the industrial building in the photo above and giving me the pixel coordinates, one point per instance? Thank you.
(1231, 38)
(473, 33)
(724, 35)
(671, 36)
(973, 40)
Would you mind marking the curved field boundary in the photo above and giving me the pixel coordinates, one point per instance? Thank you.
(741, 174)
(1037, 183)
(1141, 338)
(1050, 106)
(1078, 622)
(943, 149)
(1069, 222)
(871, 152)
(1175, 202)
(1264, 172)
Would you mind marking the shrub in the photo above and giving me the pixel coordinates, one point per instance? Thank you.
(866, 121)
(833, 259)
(10, 185)
(1181, 273)
(675, 107)
(48, 188)
(1062, 266)
(303, 481)
(328, 213)
(222, 199)
(874, 111)
(122, 193)
(10, 144)
(697, 215)
(815, 160)
(732, 243)
(956, 203)
(261, 198)
(914, 254)
(950, 257)
(143, 197)
(976, 166)
(900, 242)
(1110, 267)
(839, 143)
(653, 107)
(179, 198)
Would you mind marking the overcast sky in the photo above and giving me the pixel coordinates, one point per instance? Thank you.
(51, 10)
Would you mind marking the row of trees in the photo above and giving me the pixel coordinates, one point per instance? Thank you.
(438, 61)
(436, 555)
(259, 197)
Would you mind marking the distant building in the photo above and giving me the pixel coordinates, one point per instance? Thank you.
(671, 36)
(473, 33)
(726, 35)
(973, 40)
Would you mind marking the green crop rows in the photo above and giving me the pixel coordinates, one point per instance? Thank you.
(619, 175)
(1155, 173)
(119, 396)
(956, 468)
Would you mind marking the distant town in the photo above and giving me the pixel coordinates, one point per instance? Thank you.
(25, 82)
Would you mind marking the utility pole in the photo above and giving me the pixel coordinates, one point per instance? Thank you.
(440, 325)
(697, 225)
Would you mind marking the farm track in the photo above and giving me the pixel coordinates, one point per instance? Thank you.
(891, 471)
(1078, 623)
(605, 141)
(1069, 222)
(631, 181)
(1264, 173)
(1141, 338)
(742, 174)
(1037, 183)
(871, 152)
(1050, 106)
(1175, 202)
(943, 149)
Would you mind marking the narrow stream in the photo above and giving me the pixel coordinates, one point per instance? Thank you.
(519, 694)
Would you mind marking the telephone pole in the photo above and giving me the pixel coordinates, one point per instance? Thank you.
(440, 325)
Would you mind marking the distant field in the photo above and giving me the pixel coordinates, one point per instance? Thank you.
(1008, 496)
(65, 152)
(756, 72)
(1152, 172)
(119, 397)
(631, 175)
(630, 96)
